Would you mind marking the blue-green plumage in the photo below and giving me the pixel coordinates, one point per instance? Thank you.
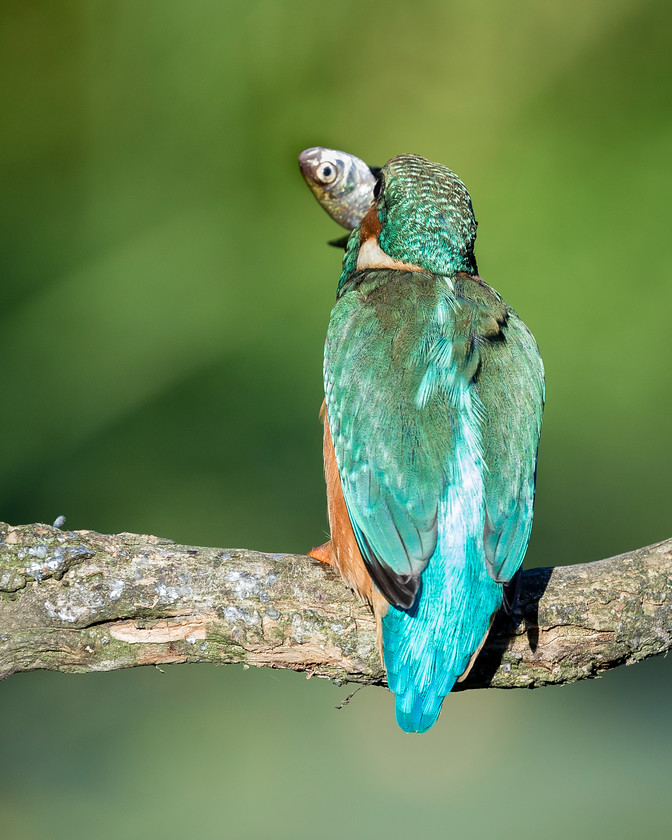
(434, 394)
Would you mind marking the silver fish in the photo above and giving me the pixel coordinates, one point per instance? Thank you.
(342, 183)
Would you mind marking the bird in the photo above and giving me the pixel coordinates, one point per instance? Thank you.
(434, 395)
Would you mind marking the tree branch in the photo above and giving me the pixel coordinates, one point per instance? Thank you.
(79, 601)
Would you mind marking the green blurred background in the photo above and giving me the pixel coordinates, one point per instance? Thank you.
(166, 290)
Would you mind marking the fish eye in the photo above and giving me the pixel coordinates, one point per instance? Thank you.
(326, 172)
(378, 186)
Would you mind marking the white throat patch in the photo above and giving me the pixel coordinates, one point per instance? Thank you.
(371, 255)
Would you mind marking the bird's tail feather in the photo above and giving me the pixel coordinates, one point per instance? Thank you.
(428, 647)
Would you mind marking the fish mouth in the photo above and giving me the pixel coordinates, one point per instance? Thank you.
(308, 160)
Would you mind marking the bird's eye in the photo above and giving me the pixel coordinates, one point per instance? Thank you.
(378, 187)
(326, 172)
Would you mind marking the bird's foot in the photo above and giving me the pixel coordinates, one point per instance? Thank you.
(321, 552)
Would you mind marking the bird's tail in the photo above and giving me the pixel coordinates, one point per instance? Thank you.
(427, 648)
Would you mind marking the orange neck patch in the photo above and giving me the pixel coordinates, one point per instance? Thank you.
(371, 255)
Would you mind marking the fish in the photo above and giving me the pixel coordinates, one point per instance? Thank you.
(342, 183)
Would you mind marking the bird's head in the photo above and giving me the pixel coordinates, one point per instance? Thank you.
(421, 219)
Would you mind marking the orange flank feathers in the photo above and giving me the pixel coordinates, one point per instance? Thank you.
(342, 551)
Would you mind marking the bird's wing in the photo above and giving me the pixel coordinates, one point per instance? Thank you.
(510, 384)
(401, 349)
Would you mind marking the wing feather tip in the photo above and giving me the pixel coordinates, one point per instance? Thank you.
(399, 590)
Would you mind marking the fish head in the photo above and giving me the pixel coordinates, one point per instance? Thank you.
(342, 183)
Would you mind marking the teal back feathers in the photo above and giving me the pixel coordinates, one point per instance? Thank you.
(434, 392)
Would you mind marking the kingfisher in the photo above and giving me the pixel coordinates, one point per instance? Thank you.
(434, 393)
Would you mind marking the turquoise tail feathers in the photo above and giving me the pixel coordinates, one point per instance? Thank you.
(428, 647)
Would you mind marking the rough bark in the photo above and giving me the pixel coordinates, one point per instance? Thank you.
(79, 601)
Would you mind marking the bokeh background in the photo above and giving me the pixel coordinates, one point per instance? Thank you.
(165, 293)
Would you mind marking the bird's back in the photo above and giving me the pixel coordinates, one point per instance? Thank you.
(434, 390)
